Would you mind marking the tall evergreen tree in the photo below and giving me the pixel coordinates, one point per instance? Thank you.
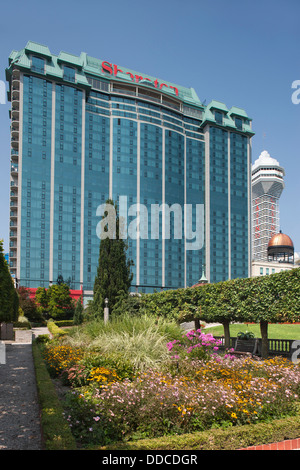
(78, 314)
(9, 301)
(114, 276)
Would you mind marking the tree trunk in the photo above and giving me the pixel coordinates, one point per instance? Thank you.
(226, 333)
(197, 324)
(264, 339)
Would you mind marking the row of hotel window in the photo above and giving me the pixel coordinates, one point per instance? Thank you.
(268, 271)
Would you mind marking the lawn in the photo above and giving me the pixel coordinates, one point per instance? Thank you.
(275, 331)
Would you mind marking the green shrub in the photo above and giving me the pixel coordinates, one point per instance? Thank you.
(55, 429)
(219, 439)
(55, 330)
(61, 323)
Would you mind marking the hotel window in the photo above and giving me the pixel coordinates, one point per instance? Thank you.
(69, 74)
(219, 117)
(239, 123)
(37, 64)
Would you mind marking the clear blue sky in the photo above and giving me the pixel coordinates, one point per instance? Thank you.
(243, 53)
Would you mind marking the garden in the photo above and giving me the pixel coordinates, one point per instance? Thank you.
(144, 377)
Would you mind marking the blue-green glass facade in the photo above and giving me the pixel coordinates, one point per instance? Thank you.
(35, 180)
(82, 134)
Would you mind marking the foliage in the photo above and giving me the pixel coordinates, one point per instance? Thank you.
(78, 314)
(263, 300)
(245, 335)
(61, 357)
(194, 344)
(56, 432)
(273, 298)
(231, 438)
(113, 277)
(128, 305)
(28, 306)
(139, 340)
(205, 394)
(55, 330)
(9, 302)
(60, 303)
(42, 300)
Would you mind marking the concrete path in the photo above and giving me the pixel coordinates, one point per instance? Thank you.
(20, 427)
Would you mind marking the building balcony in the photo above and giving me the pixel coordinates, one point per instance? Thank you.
(14, 154)
(15, 94)
(15, 104)
(15, 84)
(15, 113)
(16, 74)
(13, 234)
(13, 214)
(15, 134)
(14, 197)
(14, 168)
(15, 122)
(12, 254)
(15, 142)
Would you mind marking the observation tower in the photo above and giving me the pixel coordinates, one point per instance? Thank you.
(267, 186)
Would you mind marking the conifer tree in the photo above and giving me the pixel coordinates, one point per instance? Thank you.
(78, 315)
(114, 276)
(9, 301)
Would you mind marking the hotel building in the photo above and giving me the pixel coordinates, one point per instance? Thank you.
(84, 130)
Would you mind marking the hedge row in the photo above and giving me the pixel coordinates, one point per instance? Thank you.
(232, 438)
(265, 299)
(55, 430)
(55, 330)
(274, 298)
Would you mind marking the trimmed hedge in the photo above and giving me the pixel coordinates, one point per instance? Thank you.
(55, 430)
(55, 330)
(274, 299)
(263, 300)
(233, 438)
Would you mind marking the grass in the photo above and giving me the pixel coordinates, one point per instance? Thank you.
(275, 331)
(140, 340)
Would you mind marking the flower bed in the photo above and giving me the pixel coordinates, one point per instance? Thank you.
(197, 390)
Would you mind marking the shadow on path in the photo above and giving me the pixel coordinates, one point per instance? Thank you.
(19, 409)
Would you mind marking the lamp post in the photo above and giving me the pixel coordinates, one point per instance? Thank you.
(106, 311)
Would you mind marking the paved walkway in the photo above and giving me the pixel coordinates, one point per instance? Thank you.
(20, 427)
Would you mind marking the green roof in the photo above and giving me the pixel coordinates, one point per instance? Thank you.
(38, 49)
(89, 66)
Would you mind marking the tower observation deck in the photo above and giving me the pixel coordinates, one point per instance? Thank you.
(267, 186)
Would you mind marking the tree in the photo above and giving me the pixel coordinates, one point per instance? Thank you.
(28, 306)
(113, 277)
(8, 297)
(42, 300)
(61, 305)
(78, 315)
